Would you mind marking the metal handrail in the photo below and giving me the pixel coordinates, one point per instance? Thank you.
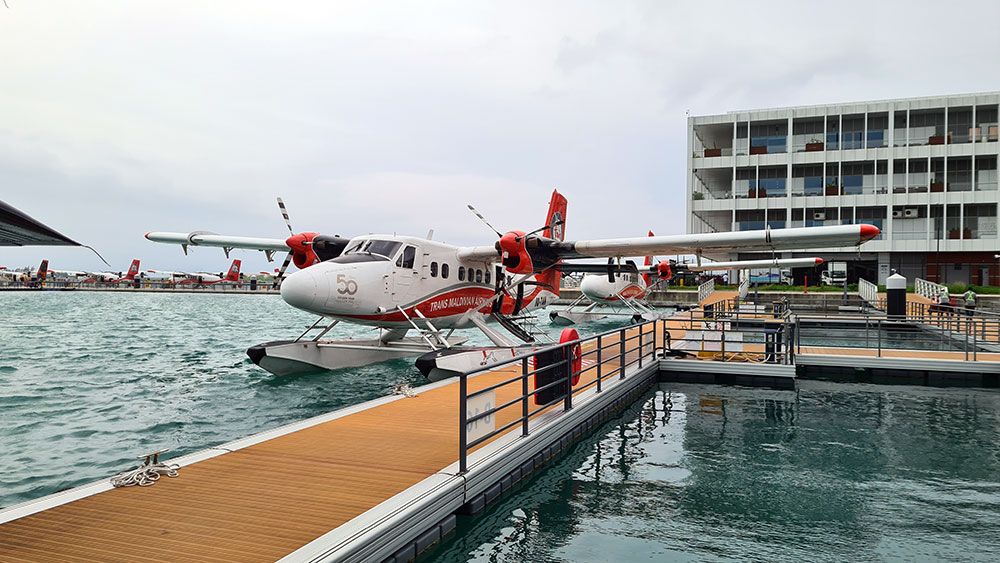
(564, 365)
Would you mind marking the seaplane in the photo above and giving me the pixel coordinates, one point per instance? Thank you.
(40, 274)
(622, 288)
(398, 284)
(114, 277)
(196, 278)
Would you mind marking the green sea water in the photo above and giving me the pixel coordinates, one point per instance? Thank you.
(829, 472)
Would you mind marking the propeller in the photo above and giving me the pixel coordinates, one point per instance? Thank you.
(299, 245)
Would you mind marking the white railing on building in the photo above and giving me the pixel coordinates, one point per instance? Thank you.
(744, 284)
(706, 289)
(868, 292)
(927, 289)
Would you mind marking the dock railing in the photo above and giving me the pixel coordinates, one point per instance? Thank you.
(967, 335)
(868, 292)
(706, 289)
(557, 374)
(926, 288)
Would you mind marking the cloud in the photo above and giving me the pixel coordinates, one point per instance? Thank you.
(122, 117)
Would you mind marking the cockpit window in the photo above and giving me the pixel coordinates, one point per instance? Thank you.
(354, 247)
(384, 248)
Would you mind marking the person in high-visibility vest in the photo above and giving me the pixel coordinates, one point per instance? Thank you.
(970, 302)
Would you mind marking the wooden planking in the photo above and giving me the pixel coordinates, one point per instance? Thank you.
(717, 296)
(264, 501)
(907, 354)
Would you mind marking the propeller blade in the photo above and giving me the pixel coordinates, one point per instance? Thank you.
(284, 266)
(540, 229)
(284, 213)
(483, 219)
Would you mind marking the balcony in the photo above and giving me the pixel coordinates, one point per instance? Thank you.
(769, 145)
(765, 187)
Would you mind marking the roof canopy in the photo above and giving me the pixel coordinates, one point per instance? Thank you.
(18, 229)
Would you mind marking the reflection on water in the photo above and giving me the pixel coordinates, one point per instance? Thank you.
(830, 472)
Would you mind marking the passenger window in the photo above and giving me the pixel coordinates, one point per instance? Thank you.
(486, 278)
(479, 276)
(461, 273)
(407, 258)
(444, 271)
(434, 269)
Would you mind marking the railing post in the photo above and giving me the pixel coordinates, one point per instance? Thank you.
(463, 392)
(524, 396)
(600, 361)
(568, 370)
(621, 355)
(879, 329)
(641, 327)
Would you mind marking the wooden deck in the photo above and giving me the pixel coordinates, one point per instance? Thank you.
(717, 296)
(264, 501)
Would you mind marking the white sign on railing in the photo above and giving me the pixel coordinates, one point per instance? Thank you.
(868, 291)
(927, 289)
(706, 289)
(476, 429)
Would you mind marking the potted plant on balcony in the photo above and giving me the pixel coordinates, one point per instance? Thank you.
(697, 196)
(953, 234)
(814, 145)
(759, 149)
(937, 185)
(714, 151)
(832, 189)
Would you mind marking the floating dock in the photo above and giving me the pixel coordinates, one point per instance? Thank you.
(386, 479)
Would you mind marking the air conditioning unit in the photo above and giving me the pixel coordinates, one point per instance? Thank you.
(897, 213)
(911, 212)
(819, 216)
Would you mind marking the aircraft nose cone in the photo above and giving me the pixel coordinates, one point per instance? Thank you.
(300, 289)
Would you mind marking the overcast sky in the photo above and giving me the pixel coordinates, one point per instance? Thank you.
(117, 118)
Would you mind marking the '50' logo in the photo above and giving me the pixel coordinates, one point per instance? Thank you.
(345, 285)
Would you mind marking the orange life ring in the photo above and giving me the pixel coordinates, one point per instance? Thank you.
(575, 352)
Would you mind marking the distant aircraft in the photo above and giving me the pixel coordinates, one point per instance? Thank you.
(115, 277)
(25, 276)
(196, 278)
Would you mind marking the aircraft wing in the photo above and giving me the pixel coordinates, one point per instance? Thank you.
(751, 264)
(219, 241)
(799, 238)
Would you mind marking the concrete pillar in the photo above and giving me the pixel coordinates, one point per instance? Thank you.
(895, 296)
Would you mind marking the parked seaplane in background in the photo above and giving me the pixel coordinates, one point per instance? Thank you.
(399, 284)
(621, 289)
(27, 275)
(197, 278)
(114, 277)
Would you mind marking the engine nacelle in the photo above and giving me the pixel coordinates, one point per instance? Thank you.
(514, 253)
(303, 255)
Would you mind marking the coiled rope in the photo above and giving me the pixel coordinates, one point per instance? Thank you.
(148, 472)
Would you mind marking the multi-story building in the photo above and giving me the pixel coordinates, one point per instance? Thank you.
(924, 170)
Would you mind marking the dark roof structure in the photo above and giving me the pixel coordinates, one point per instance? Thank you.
(18, 229)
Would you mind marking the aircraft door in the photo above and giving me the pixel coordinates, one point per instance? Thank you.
(404, 274)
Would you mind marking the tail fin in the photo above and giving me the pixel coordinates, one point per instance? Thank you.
(646, 276)
(556, 220)
(556, 217)
(234, 271)
(43, 270)
(133, 270)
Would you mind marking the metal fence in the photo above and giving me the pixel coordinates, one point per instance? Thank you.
(969, 336)
(548, 379)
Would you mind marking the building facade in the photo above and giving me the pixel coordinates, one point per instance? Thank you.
(924, 170)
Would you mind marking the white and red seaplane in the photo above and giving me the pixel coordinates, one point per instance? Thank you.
(621, 289)
(401, 284)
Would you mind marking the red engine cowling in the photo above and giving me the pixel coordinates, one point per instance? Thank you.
(302, 252)
(663, 270)
(515, 255)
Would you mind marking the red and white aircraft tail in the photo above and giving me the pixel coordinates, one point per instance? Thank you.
(43, 270)
(234, 272)
(133, 271)
(556, 229)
